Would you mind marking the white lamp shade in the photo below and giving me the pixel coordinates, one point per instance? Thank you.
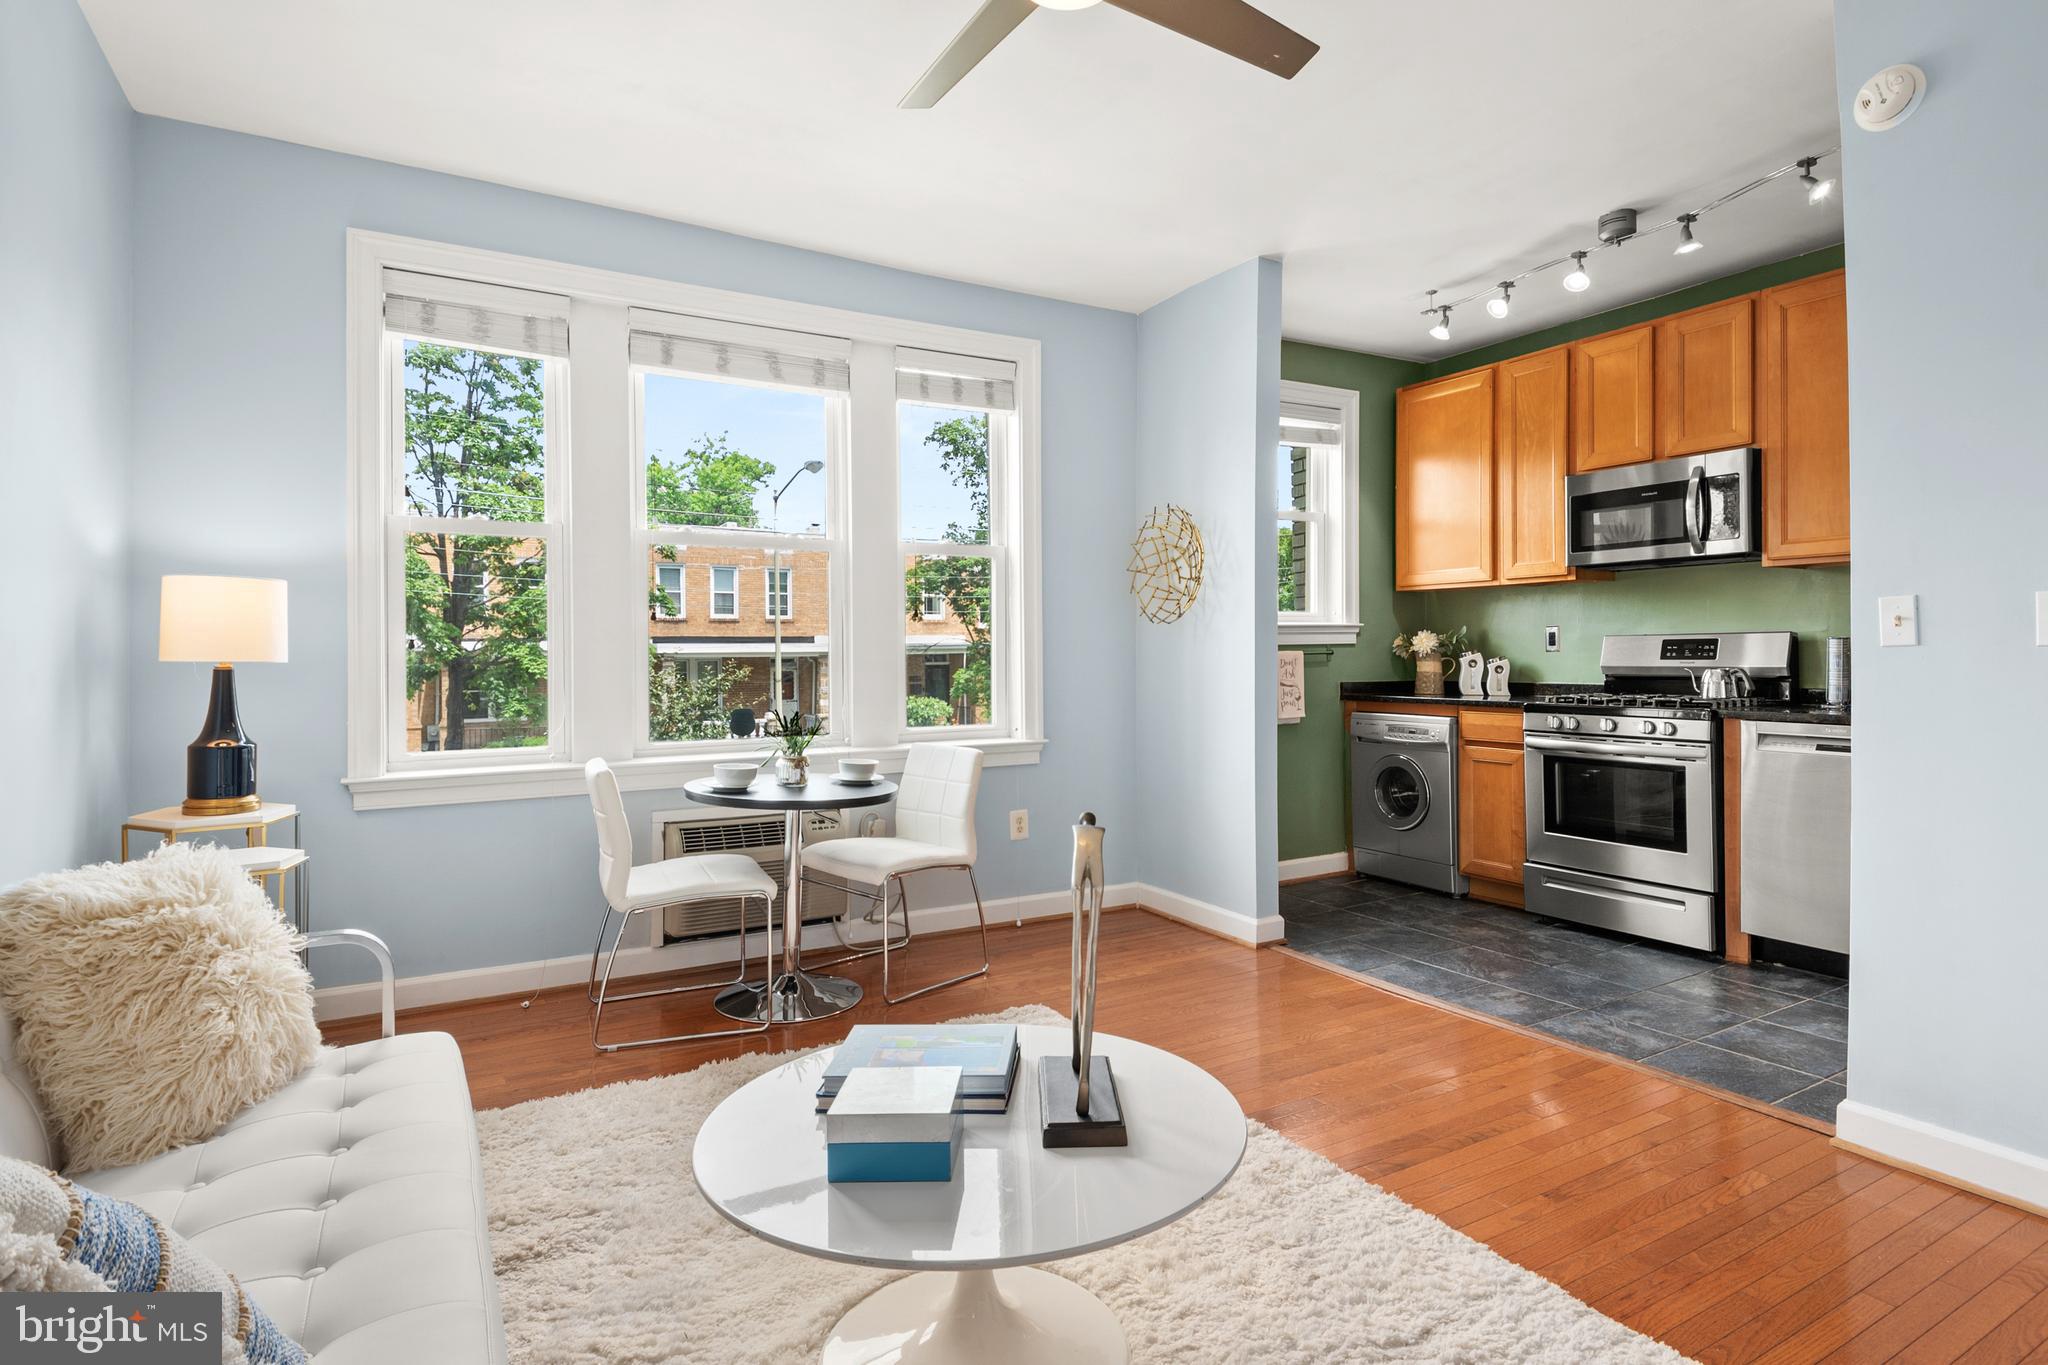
(221, 620)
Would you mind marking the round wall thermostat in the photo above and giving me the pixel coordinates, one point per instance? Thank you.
(1887, 98)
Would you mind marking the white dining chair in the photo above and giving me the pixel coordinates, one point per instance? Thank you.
(934, 831)
(630, 890)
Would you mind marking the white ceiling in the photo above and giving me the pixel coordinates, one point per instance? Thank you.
(1093, 156)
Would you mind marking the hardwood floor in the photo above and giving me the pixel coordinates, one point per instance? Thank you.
(1731, 1234)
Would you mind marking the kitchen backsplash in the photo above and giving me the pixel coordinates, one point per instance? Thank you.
(1723, 597)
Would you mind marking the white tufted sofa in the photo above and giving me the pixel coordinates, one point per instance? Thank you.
(350, 1204)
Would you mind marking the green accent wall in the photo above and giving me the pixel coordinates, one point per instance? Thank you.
(1510, 621)
(1311, 754)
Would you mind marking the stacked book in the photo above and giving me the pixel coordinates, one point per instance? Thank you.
(893, 1123)
(986, 1055)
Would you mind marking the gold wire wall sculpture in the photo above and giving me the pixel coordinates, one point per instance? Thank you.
(1166, 564)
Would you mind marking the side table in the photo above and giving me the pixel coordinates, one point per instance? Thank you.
(268, 864)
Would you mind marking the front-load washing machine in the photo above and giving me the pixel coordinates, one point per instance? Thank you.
(1404, 799)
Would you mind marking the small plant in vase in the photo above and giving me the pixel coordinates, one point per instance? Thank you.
(1429, 650)
(793, 735)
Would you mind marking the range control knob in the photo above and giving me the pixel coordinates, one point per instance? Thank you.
(1556, 723)
(1649, 727)
(1670, 727)
(1571, 722)
(1607, 722)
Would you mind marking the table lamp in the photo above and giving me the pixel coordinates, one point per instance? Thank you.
(222, 621)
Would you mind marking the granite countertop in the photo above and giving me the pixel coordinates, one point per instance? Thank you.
(1807, 710)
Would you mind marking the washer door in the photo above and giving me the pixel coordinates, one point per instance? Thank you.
(1400, 792)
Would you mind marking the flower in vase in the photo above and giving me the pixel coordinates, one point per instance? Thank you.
(1425, 643)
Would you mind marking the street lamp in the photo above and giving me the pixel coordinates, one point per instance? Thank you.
(776, 597)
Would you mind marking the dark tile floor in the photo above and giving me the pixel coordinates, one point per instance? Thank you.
(1773, 1033)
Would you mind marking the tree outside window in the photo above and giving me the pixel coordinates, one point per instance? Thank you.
(958, 584)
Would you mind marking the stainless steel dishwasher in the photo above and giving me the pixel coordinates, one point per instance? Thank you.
(1795, 833)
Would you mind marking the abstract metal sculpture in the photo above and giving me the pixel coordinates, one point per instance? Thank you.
(1166, 564)
(1077, 1099)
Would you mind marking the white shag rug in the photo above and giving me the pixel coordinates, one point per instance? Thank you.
(607, 1253)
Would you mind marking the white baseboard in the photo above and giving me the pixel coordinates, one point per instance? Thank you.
(1201, 914)
(476, 983)
(1315, 865)
(1986, 1166)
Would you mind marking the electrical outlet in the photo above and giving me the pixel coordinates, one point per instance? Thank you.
(1551, 640)
(1020, 824)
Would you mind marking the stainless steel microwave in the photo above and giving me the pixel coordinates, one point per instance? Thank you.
(1690, 509)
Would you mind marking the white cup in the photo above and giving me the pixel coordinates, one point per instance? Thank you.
(857, 769)
(733, 776)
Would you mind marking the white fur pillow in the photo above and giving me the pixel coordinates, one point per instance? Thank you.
(154, 1000)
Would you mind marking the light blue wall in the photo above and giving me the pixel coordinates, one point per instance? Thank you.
(1948, 488)
(65, 273)
(240, 468)
(1209, 405)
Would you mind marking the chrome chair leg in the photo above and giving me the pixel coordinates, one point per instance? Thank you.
(839, 924)
(903, 896)
(767, 968)
(590, 990)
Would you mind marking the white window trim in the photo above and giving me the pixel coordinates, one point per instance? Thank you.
(768, 593)
(1336, 575)
(604, 658)
(711, 610)
(682, 594)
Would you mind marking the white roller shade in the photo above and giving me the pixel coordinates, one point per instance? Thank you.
(470, 313)
(731, 350)
(957, 381)
(1305, 424)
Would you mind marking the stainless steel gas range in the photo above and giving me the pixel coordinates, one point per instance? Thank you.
(1624, 785)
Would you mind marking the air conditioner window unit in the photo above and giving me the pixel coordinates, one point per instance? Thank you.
(714, 830)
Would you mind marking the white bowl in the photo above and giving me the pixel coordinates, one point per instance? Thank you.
(733, 776)
(857, 769)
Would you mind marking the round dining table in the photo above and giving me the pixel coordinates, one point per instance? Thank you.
(795, 995)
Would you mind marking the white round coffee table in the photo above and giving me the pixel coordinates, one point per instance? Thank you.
(760, 1161)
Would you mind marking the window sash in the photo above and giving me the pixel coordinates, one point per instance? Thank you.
(731, 575)
(771, 598)
(1000, 552)
(680, 611)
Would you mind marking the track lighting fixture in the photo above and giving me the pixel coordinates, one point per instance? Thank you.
(1817, 191)
(1618, 227)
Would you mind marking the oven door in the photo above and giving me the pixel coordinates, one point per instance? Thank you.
(1643, 809)
(1694, 507)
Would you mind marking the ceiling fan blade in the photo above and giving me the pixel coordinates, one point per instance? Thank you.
(990, 25)
(1230, 26)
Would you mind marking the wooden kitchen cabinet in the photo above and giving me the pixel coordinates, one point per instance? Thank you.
(1532, 403)
(1613, 399)
(1803, 420)
(1491, 842)
(1705, 368)
(1443, 482)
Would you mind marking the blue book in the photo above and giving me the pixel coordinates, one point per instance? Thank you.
(850, 1162)
(985, 1053)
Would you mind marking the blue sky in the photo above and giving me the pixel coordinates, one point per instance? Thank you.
(786, 428)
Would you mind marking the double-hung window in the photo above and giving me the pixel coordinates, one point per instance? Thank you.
(475, 460)
(742, 436)
(536, 581)
(1315, 500)
(956, 431)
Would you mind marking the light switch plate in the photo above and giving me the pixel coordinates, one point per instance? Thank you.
(1898, 621)
(2041, 618)
(1550, 640)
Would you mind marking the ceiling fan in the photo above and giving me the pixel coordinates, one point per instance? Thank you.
(1230, 26)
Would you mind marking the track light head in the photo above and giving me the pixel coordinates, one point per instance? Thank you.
(1498, 305)
(1687, 243)
(1578, 281)
(1817, 190)
(1441, 330)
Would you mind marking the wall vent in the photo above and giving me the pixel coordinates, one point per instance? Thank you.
(759, 838)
